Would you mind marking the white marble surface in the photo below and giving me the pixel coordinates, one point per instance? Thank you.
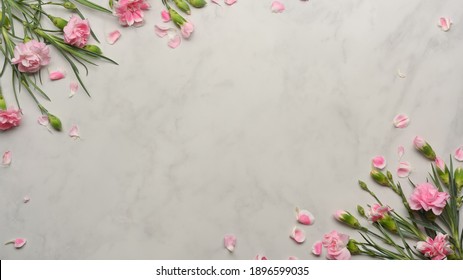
(258, 113)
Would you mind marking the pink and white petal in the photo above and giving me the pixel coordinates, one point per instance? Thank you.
(304, 217)
(298, 235)
(400, 151)
(74, 87)
(404, 169)
(459, 153)
(161, 31)
(19, 242)
(175, 41)
(445, 24)
(230, 2)
(277, 7)
(113, 36)
(401, 121)
(379, 162)
(317, 248)
(57, 75)
(74, 132)
(229, 242)
(293, 258)
(261, 257)
(43, 120)
(6, 160)
(26, 199)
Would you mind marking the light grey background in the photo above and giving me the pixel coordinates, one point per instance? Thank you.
(258, 113)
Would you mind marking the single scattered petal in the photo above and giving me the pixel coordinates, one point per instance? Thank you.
(304, 217)
(74, 132)
(229, 242)
(317, 248)
(298, 235)
(379, 162)
(74, 87)
(161, 31)
(293, 258)
(404, 169)
(401, 74)
(261, 257)
(459, 154)
(18, 242)
(277, 7)
(175, 41)
(113, 37)
(230, 2)
(26, 199)
(56, 75)
(215, 2)
(43, 120)
(400, 151)
(444, 24)
(165, 15)
(401, 121)
(6, 161)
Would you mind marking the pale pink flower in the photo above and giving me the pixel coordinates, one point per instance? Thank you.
(419, 142)
(377, 212)
(439, 163)
(230, 2)
(445, 24)
(31, 56)
(404, 169)
(437, 248)
(77, 32)
(304, 217)
(400, 151)
(56, 75)
(18, 242)
(427, 197)
(229, 242)
(401, 121)
(113, 37)
(187, 29)
(317, 248)
(130, 12)
(298, 235)
(336, 243)
(165, 15)
(6, 160)
(379, 162)
(277, 7)
(9, 118)
(459, 154)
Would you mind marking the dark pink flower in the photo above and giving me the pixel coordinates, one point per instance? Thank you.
(437, 248)
(427, 197)
(9, 118)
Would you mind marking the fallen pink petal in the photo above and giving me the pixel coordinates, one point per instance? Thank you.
(293, 258)
(161, 31)
(379, 162)
(277, 7)
(113, 37)
(404, 169)
(18, 242)
(230, 2)
(6, 161)
(401, 121)
(74, 132)
(74, 87)
(304, 217)
(175, 41)
(317, 248)
(298, 235)
(43, 120)
(459, 154)
(26, 199)
(229, 242)
(165, 16)
(400, 151)
(57, 75)
(261, 258)
(445, 24)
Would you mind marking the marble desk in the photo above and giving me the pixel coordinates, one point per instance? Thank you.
(256, 114)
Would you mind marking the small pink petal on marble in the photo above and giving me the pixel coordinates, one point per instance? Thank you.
(43, 120)
(230, 2)
(404, 169)
(293, 258)
(445, 24)
(113, 37)
(165, 16)
(175, 41)
(317, 248)
(277, 7)
(26, 199)
(229, 242)
(379, 162)
(56, 75)
(401, 121)
(400, 151)
(298, 235)
(18, 242)
(74, 132)
(304, 217)
(6, 160)
(261, 257)
(161, 31)
(74, 87)
(459, 153)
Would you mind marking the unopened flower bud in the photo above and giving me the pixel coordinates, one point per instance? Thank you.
(352, 247)
(389, 175)
(58, 22)
(388, 223)
(379, 177)
(183, 6)
(424, 147)
(55, 122)
(459, 179)
(93, 49)
(69, 5)
(197, 3)
(363, 186)
(347, 218)
(442, 171)
(361, 211)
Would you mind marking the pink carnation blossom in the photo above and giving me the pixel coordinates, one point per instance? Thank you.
(336, 243)
(9, 118)
(437, 248)
(130, 12)
(377, 212)
(77, 32)
(31, 56)
(427, 197)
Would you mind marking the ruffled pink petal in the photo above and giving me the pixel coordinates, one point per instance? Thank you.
(261, 257)
(379, 162)
(57, 75)
(298, 235)
(113, 37)
(161, 31)
(400, 151)
(6, 161)
(229, 242)
(230, 2)
(304, 217)
(277, 7)
(459, 154)
(74, 132)
(317, 248)
(165, 16)
(401, 121)
(26, 199)
(445, 23)
(175, 41)
(292, 258)
(404, 169)
(74, 87)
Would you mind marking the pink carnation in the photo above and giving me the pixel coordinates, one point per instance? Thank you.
(130, 12)
(427, 197)
(31, 56)
(77, 32)
(377, 212)
(336, 243)
(9, 118)
(437, 248)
